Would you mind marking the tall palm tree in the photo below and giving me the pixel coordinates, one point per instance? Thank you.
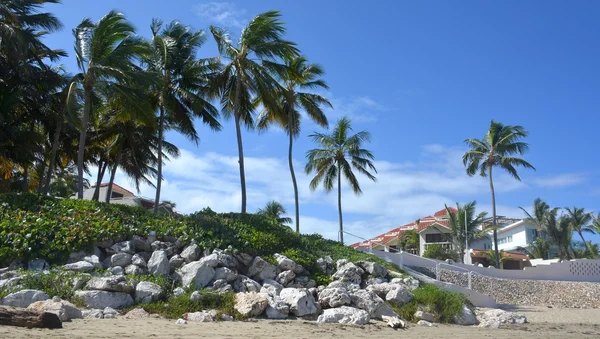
(275, 210)
(338, 155)
(559, 231)
(580, 221)
(538, 215)
(299, 76)
(249, 72)
(539, 248)
(456, 222)
(409, 241)
(498, 148)
(181, 94)
(106, 53)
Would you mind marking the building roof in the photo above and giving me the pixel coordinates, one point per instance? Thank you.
(510, 255)
(105, 184)
(397, 232)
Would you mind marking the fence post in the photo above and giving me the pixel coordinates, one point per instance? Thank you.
(470, 274)
(402, 259)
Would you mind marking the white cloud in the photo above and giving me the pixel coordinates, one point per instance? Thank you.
(224, 14)
(358, 109)
(561, 180)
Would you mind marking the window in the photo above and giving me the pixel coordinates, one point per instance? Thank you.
(115, 195)
(505, 240)
(435, 237)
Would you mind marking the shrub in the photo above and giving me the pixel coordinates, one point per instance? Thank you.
(439, 252)
(176, 306)
(443, 304)
(55, 283)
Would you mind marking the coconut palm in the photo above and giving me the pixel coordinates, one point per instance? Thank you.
(409, 241)
(539, 248)
(580, 221)
(538, 215)
(275, 210)
(181, 94)
(498, 148)
(559, 231)
(298, 76)
(493, 260)
(456, 223)
(339, 154)
(106, 53)
(249, 72)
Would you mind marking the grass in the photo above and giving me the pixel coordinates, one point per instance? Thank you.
(176, 306)
(442, 304)
(55, 283)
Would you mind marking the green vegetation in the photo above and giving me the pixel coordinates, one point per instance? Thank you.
(176, 306)
(56, 282)
(439, 252)
(442, 304)
(34, 226)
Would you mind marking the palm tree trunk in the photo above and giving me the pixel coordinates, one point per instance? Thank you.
(41, 176)
(161, 122)
(238, 131)
(26, 178)
(59, 125)
(113, 173)
(587, 246)
(101, 170)
(496, 253)
(87, 108)
(291, 164)
(340, 204)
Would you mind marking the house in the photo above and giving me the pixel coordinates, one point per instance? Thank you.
(431, 229)
(120, 195)
(514, 235)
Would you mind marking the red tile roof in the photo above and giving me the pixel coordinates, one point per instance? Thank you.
(442, 213)
(105, 184)
(511, 255)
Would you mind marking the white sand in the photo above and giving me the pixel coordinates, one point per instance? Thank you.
(544, 323)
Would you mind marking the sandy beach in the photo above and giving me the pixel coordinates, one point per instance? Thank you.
(543, 323)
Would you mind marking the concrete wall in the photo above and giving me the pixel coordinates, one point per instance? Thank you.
(576, 270)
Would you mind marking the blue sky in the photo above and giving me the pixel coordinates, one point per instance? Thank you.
(421, 76)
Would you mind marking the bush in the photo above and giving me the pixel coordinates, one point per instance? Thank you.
(443, 304)
(176, 306)
(439, 252)
(55, 283)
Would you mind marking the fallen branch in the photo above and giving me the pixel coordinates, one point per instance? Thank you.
(29, 319)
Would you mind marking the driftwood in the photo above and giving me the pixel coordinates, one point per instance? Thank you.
(29, 319)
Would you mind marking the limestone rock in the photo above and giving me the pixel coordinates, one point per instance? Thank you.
(422, 315)
(271, 287)
(181, 322)
(227, 260)
(94, 260)
(125, 246)
(147, 292)
(286, 277)
(425, 323)
(384, 288)
(62, 308)
(251, 304)
(370, 302)
(24, 298)
(326, 265)
(399, 296)
(37, 265)
(196, 272)
(203, 317)
(176, 262)
(244, 259)
(301, 301)
(111, 284)
(393, 321)
(117, 270)
(190, 253)
(225, 273)
(466, 317)
(245, 284)
(344, 315)
(178, 291)
(159, 264)
(120, 259)
(137, 313)
(102, 299)
(494, 318)
(334, 297)
(373, 269)
(140, 244)
(285, 263)
(93, 314)
(135, 270)
(80, 266)
(277, 309)
(348, 272)
(211, 260)
(138, 260)
(195, 296)
(261, 270)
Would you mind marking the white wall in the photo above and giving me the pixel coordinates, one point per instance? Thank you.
(429, 230)
(88, 194)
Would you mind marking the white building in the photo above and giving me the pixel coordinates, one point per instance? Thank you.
(513, 235)
(120, 195)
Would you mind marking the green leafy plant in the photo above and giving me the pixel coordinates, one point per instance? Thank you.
(439, 252)
(442, 304)
(176, 306)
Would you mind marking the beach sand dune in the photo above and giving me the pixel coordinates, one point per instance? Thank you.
(544, 323)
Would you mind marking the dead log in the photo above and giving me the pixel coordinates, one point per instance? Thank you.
(29, 319)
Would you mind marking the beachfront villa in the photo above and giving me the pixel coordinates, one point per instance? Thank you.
(514, 236)
(120, 195)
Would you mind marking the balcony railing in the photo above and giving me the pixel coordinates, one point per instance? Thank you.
(445, 245)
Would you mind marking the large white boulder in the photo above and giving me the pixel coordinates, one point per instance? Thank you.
(271, 287)
(124, 246)
(344, 315)
(349, 273)
(203, 317)
(260, 270)
(147, 292)
(80, 266)
(211, 260)
(111, 284)
(190, 253)
(494, 318)
(277, 309)
(159, 263)
(334, 297)
(245, 284)
(197, 272)
(300, 300)
(24, 298)
(62, 308)
(251, 304)
(225, 273)
(370, 302)
(466, 317)
(373, 269)
(138, 260)
(399, 296)
(285, 263)
(120, 259)
(285, 277)
(103, 299)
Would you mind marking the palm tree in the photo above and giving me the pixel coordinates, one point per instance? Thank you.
(275, 210)
(409, 241)
(106, 53)
(539, 248)
(339, 154)
(580, 221)
(559, 230)
(299, 75)
(497, 149)
(456, 222)
(249, 72)
(538, 215)
(493, 260)
(181, 94)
